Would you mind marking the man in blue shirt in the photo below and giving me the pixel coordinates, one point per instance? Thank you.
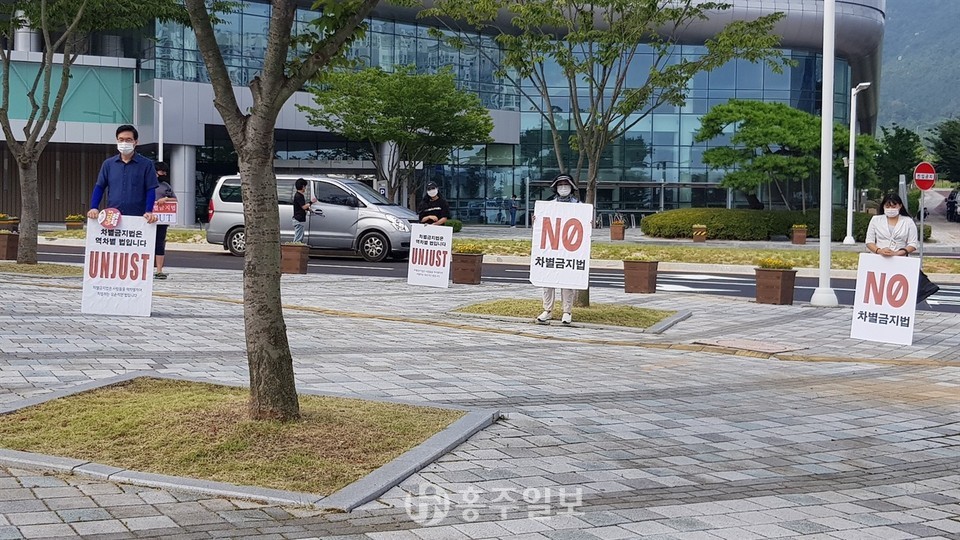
(129, 179)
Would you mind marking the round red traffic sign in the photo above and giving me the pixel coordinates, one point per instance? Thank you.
(924, 176)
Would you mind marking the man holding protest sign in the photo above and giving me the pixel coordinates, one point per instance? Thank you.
(560, 255)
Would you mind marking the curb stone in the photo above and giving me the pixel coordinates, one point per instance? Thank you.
(657, 328)
(346, 499)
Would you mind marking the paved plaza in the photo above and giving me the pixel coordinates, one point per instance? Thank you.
(742, 421)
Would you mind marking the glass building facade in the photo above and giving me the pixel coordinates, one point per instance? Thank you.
(655, 165)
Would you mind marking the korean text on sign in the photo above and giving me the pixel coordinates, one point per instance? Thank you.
(429, 262)
(885, 304)
(118, 268)
(560, 255)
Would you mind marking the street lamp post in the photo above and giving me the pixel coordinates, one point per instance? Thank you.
(824, 295)
(662, 165)
(159, 101)
(851, 171)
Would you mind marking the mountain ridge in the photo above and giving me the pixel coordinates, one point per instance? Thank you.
(919, 79)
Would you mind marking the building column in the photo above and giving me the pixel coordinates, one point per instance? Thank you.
(183, 172)
(26, 39)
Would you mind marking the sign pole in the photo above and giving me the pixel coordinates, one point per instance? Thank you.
(924, 177)
(921, 228)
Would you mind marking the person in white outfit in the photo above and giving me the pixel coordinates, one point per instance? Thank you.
(892, 233)
(564, 191)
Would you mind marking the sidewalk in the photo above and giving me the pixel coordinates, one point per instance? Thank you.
(743, 421)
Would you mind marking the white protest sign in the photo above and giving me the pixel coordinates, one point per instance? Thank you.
(166, 213)
(560, 254)
(118, 267)
(430, 248)
(885, 304)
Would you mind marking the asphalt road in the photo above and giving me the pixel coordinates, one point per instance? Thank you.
(947, 300)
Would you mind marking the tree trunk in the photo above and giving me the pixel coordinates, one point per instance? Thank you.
(754, 202)
(583, 296)
(783, 196)
(273, 392)
(29, 213)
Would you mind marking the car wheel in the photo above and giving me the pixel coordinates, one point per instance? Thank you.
(374, 247)
(237, 242)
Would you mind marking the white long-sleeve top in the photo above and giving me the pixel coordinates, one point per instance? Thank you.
(904, 234)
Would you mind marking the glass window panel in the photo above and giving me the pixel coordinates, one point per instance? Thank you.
(749, 75)
(381, 51)
(724, 77)
(256, 8)
(499, 154)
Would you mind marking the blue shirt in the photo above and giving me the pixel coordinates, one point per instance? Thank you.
(127, 184)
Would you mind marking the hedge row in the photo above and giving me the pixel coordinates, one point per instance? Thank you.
(723, 224)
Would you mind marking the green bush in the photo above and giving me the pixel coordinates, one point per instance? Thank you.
(724, 224)
(455, 223)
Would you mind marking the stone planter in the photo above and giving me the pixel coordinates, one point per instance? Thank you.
(293, 258)
(9, 224)
(798, 236)
(8, 246)
(616, 231)
(699, 234)
(74, 225)
(640, 276)
(465, 268)
(775, 286)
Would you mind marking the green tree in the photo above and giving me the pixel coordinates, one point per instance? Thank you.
(611, 82)
(409, 119)
(773, 143)
(289, 62)
(900, 151)
(64, 26)
(944, 142)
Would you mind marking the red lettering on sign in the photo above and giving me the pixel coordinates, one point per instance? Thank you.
(570, 233)
(428, 257)
(879, 291)
(123, 265)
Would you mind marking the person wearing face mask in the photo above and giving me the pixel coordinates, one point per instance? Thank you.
(433, 209)
(893, 232)
(564, 187)
(164, 194)
(129, 180)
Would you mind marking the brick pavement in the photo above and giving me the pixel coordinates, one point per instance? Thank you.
(639, 435)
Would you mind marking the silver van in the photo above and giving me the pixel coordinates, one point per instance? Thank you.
(348, 216)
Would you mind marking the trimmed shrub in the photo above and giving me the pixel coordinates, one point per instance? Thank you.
(724, 224)
(455, 223)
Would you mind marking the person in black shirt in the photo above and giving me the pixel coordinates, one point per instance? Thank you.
(433, 208)
(300, 207)
(164, 194)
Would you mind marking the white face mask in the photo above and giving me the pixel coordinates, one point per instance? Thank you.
(564, 190)
(432, 192)
(891, 212)
(125, 148)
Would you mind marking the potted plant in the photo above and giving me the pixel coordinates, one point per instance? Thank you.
(616, 227)
(639, 274)
(8, 223)
(798, 233)
(9, 242)
(75, 221)
(699, 233)
(775, 280)
(467, 262)
(294, 257)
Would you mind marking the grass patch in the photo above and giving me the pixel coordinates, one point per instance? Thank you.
(202, 431)
(611, 314)
(182, 236)
(42, 269)
(798, 258)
